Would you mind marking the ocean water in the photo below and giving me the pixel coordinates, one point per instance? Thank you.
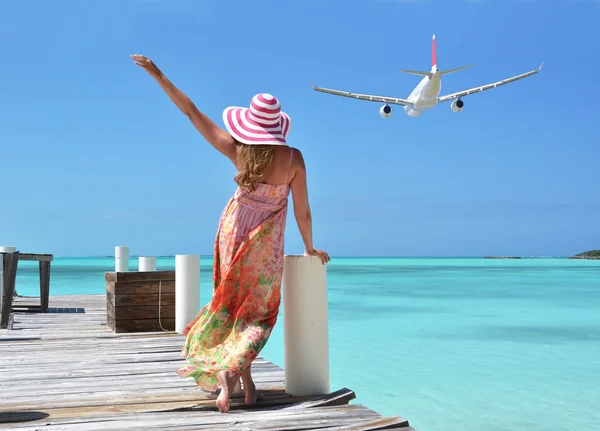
(449, 344)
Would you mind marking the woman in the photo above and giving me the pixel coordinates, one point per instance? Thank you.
(229, 332)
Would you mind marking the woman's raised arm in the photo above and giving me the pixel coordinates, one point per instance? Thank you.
(215, 135)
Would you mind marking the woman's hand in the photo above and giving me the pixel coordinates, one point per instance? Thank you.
(146, 64)
(319, 253)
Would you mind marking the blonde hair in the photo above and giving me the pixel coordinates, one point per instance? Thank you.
(251, 161)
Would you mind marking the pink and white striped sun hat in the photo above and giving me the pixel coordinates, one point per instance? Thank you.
(263, 123)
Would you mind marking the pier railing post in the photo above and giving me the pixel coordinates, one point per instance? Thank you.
(147, 264)
(187, 289)
(306, 329)
(121, 259)
(2, 270)
(11, 260)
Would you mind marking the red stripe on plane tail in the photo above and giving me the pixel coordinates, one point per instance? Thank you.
(433, 53)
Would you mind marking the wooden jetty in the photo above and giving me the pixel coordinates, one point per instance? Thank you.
(66, 370)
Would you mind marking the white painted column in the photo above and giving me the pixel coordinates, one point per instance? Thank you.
(147, 264)
(187, 289)
(306, 329)
(121, 259)
(4, 250)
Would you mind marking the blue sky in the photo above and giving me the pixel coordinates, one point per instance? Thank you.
(93, 154)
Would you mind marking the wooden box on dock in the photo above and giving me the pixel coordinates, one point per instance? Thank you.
(140, 301)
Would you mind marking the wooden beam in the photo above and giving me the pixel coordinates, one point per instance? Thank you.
(139, 276)
(36, 257)
(11, 261)
(44, 284)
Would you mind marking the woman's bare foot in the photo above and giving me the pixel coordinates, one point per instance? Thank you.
(251, 394)
(227, 380)
(237, 389)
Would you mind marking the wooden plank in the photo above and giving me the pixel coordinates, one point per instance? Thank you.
(267, 419)
(195, 400)
(128, 313)
(340, 397)
(104, 377)
(249, 415)
(145, 299)
(139, 276)
(144, 325)
(92, 301)
(36, 257)
(102, 381)
(142, 287)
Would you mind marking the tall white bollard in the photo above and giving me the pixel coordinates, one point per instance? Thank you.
(147, 264)
(4, 250)
(306, 332)
(187, 289)
(121, 259)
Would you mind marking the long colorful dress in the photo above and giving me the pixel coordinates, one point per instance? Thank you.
(230, 331)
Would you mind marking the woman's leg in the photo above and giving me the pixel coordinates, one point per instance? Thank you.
(238, 386)
(252, 395)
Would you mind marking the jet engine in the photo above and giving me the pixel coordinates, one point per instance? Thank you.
(385, 111)
(457, 105)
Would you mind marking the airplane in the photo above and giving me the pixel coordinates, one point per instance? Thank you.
(426, 94)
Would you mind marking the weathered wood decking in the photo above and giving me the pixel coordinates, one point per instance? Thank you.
(65, 370)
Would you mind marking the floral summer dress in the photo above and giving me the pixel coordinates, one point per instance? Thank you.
(230, 331)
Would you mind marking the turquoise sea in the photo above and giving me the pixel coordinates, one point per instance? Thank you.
(450, 344)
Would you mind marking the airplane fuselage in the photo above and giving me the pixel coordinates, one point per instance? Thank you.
(425, 95)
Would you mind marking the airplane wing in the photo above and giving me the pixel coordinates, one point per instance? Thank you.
(488, 86)
(392, 100)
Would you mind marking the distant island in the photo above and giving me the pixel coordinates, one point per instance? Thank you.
(502, 257)
(592, 254)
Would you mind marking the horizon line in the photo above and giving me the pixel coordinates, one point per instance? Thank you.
(349, 256)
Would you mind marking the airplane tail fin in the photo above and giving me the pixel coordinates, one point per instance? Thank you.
(434, 64)
(433, 54)
(446, 72)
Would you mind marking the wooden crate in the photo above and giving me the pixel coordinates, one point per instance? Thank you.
(132, 301)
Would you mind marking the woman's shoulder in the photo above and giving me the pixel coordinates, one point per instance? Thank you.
(296, 153)
(283, 154)
(298, 157)
(284, 149)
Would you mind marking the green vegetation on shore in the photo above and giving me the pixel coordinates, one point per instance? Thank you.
(592, 254)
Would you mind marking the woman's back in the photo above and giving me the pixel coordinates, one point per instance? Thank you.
(281, 169)
(270, 191)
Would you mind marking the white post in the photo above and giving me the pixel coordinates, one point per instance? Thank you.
(187, 289)
(121, 259)
(147, 264)
(4, 250)
(305, 320)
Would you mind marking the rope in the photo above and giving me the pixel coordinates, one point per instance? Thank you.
(159, 305)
